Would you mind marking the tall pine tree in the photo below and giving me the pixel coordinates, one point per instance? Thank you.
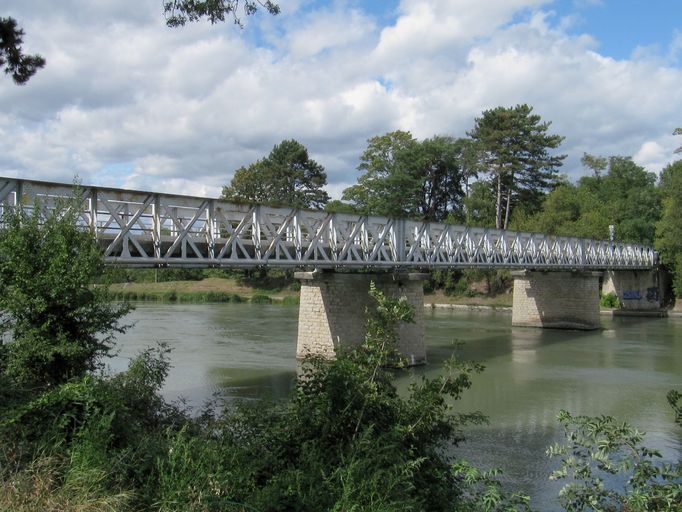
(513, 148)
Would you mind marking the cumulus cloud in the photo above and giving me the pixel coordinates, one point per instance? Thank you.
(126, 101)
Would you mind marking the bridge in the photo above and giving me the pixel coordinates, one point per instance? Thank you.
(146, 229)
(556, 279)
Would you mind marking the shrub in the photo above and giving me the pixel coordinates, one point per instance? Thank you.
(457, 288)
(170, 296)
(609, 300)
(261, 299)
(599, 447)
(61, 326)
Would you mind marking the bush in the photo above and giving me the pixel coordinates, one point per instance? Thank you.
(609, 300)
(170, 296)
(61, 326)
(458, 288)
(599, 447)
(261, 299)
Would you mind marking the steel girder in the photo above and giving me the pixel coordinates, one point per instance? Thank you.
(136, 228)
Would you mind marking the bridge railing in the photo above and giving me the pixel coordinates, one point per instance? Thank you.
(137, 228)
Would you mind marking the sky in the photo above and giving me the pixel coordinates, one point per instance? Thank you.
(125, 101)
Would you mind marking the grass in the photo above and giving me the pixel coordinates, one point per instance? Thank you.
(495, 301)
(212, 289)
(217, 289)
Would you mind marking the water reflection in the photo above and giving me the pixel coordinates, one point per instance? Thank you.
(624, 370)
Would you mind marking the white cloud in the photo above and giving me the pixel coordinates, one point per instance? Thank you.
(179, 110)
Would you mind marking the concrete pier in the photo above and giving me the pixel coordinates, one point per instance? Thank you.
(637, 290)
(333, 306)
(558, 300)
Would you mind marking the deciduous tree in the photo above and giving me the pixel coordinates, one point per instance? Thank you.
(286, 177)
(404, 177)
(60, 325)
(625, 196)
(669, 228)
(514, 146)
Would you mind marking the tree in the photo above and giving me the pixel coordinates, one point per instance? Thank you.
(407, 178)
(179, 12)
(479, 205)
(598, 164)
(60, 325)
(625, 197)
(678, 131)
(669, 228)
(513, 147)
(20, 66)
(286, 177)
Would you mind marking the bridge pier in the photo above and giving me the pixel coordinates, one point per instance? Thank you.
(637, 290)
(556, 300)
(332, 311)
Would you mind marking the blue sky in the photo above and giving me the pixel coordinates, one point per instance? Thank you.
(621, 26)
(125, 101)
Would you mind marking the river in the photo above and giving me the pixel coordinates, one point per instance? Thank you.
(624, 370)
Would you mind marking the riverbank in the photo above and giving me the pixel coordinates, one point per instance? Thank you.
(223, 290)
(210, 289)
(218, 289)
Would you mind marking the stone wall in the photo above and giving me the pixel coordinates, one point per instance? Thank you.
(333, 305)
(561, 300)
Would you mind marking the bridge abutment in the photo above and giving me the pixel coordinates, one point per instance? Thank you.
(556, 300)
(332, 311)
(637, 290)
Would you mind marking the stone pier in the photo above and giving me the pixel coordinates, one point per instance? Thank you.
(637, 290)
(332, 311)
(556, 300)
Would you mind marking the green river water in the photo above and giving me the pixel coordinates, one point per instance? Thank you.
(623, 370)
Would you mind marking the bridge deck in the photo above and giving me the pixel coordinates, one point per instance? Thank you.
(137, 228)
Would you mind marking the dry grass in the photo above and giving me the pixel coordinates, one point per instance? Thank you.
(210, 284)
(231, 286)
(43, 487)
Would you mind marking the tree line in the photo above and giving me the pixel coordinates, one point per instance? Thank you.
(505, 173)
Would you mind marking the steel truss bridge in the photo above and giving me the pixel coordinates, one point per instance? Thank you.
(144, 229)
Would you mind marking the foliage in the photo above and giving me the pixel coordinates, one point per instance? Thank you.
(513, 146)
(346, 440)
(609, 300)
(90, 443)
(675, 400)
(669, 227)
(625, 196)
(629, 199)
(483, 491)
(601, 447)
(261, 299)
(286, 177)
(20, 66)
(479, 205)
(60, 325)
(179, 12)
(404, 177)
(337, 206)
(678, 131)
